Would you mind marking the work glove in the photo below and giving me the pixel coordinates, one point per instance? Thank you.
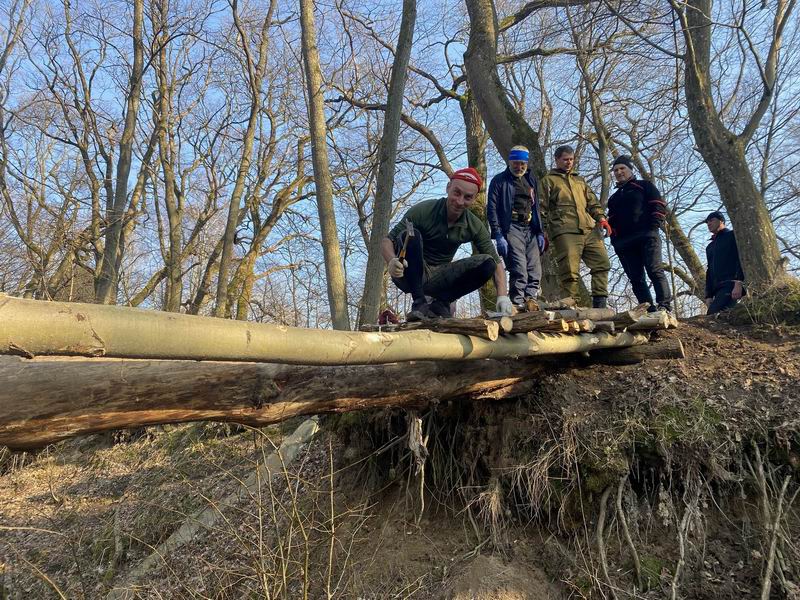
(502, 246)
(504, 305)
(607, 231)
(397, 267)
(542, 242)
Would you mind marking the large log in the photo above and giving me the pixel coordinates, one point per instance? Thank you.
(47, 399)
(34, 328)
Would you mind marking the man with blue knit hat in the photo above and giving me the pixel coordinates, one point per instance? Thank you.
(512, 209)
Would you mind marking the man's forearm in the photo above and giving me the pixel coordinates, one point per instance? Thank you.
(500, 280)
(387, 250)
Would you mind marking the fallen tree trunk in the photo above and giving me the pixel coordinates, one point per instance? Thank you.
(51, 399)
(48, 399)
(33, 328)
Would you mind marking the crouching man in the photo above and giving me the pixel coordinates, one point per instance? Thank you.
(440, 226)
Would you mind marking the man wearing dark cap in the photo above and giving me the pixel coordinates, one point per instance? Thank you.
(512, 210)
(724, 275)
(636, 212)
(573, 218)
(440, 226)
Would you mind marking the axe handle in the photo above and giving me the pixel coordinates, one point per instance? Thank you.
(403, 249)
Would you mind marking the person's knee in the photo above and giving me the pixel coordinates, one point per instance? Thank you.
(486, 268)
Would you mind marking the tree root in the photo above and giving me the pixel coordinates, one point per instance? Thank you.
(637, 565)
(601, 546)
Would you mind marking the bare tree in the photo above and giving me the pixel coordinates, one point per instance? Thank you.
(382, 207)
(255, 66)
(106, 287)
(337, 290)
(724, 150)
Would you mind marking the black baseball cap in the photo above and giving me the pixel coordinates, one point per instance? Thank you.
(715, 215)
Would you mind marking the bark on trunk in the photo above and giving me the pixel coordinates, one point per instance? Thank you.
(255, 71)
(334, 271)
(382, 207)
(67, 397)
(476, 138)
(106, 288)
(505, 124)
(669, 349)
(724, 151)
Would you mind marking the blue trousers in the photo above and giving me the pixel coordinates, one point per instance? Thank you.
(523, 263)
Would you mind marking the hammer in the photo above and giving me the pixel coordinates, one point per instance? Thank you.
(409, 234)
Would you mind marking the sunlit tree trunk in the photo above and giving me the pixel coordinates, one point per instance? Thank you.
(723, 150)
(334, 271)
(106, 288)
(256, 66)
(382, 207)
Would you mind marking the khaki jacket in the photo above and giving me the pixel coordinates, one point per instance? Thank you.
(568, 205)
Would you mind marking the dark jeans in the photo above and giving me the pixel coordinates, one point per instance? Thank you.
(640, 256)
(523, 263)
(447, 282)
(722, 299)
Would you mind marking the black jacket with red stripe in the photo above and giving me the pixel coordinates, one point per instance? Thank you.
(635, 210)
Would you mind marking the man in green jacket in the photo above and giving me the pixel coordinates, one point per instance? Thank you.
(573, 219)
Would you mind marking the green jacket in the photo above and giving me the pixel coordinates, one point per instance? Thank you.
(568, 204)
(440, 241)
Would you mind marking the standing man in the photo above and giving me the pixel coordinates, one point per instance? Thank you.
(636, 213)
(724, 275)
(571, 212)
(439, 227)
(512, 210)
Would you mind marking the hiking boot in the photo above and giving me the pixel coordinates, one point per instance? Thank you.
(440, 308)
(652, 308)
(665, 307)
(599, 302)
(420, 310)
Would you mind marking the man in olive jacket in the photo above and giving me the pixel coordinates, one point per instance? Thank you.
(571, 213)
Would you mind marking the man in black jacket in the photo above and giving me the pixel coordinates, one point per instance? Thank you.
(724, 275)
(636, 213)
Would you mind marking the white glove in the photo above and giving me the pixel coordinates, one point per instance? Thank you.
(397, 267)
(504, 305)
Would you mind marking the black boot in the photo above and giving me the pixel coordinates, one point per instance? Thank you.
(420, 309)
(441, 308)
(599, 302)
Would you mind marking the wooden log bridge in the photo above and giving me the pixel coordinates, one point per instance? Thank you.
(71, 369)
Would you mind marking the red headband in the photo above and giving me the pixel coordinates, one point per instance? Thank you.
(469, 175)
